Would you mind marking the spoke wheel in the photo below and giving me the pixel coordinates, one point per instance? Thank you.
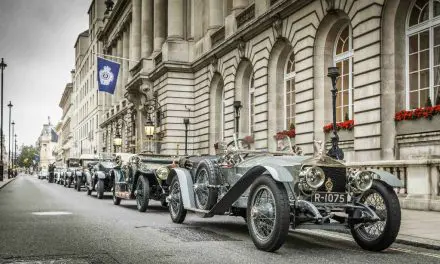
(177, 211)
(268, 214)
(100, 189)
(116, 200)
(142, 193)
(379, 235)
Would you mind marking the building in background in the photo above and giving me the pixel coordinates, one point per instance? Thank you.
(66, 135)
(47, 143)
(88, 104)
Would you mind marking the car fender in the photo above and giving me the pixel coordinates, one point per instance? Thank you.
(101, 175)
(386, 177)
(278, 173)
(186, 186)
(78, 173)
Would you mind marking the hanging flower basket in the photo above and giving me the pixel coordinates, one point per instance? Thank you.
(346, 125)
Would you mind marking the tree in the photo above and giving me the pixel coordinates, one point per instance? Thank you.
(27, 156)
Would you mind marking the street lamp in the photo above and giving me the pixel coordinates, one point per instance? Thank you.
(117, 141)
(9, 141)
(335, 152)
(149, 130)
(15, 152)
(186, 122)
(237, 106)
(12, 148)
(2, 67)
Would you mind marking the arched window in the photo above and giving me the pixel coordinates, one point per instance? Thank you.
(343, 55)
(251, 105)
(423, 53)
(289, 91)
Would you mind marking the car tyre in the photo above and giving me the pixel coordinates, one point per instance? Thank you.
(142, 193)
(206, 174)
(278, 208)
(392, 223)
(68, 183)
(177, 211)
(100, 189)
(78, 184)
(116, 200)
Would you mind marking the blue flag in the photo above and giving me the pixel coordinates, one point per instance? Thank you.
(107, 75)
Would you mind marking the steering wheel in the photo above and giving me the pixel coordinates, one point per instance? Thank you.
(243, 144)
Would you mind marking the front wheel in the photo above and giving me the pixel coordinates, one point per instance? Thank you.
(78, 184)
(177, 211)
(379, 235)
(268, 214)
(116, 200)
(142, 194)
(68, 183)
(100, 189)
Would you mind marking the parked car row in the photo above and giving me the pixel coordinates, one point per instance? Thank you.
(273, 191)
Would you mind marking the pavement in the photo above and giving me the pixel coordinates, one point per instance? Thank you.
(44, 223)
(5, 181)
(420, 228)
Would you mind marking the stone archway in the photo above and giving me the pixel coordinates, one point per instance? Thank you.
(276, 68)
(242, 81)
(216, 111)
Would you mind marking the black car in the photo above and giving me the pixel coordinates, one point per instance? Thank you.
(100, 177)
(73, 167)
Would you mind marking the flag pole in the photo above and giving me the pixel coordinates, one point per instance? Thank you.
(116, 57)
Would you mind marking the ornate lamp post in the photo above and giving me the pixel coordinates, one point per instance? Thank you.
(2, 68)
(109, 6)
(9, 141)
(186, 122)
(335, 152)
(149, 129)
(117, 141)
(237, 106)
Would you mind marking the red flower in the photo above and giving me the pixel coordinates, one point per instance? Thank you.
(346, 125)
(282, 134)
(248, 139)
(422, 112)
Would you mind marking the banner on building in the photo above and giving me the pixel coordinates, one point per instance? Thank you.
(107, 75)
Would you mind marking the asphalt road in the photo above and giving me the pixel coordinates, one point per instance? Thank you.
(82, 229)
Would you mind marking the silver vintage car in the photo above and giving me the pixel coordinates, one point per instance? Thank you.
(282, 190)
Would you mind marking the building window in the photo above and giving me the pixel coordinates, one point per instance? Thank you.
(289, 91)
(423, 53)
(222, 115)
(252, 105)
(343, 59)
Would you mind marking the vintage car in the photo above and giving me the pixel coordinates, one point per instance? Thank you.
(86, 162)
(100, 177)
(43, 174)
(59, 175)
(278, 191)
(142, 177)
(73, 167)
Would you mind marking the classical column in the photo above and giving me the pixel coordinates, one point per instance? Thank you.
(119, 87)
(175, 19)
(136, 33)
(238, 5)
(215, 14)
(125, 50)
(147, 28)
(160, 9)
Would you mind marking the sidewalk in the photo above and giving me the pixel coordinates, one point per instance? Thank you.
(5, 181)
(420, 228)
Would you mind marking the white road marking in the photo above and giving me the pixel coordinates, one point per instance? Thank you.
(51, 213)
(415, 252)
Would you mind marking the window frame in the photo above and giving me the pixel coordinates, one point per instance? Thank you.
(288, 76)
(410, 31)
(251, 101)
(342, 57)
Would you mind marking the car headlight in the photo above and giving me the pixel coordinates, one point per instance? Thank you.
(162, 173)
(313, 176)
(362, 180)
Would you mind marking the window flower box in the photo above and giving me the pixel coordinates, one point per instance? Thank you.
(424, 119)
(345, 130)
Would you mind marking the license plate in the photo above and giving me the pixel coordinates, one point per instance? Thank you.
(329, 197)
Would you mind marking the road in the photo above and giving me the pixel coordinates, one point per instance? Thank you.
(48, 223)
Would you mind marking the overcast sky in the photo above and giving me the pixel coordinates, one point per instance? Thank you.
(36, 41)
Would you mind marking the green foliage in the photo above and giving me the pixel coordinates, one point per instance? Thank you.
(27, 155)
(437, 100)
(428, 102)
(346, 118)
(292, 126)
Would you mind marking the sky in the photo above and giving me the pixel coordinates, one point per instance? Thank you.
(36, 42)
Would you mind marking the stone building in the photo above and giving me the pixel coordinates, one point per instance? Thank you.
(47, 142)
(87, 103)
(65, 133)
(195, 58)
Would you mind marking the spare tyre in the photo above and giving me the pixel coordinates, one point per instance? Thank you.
(206, 178)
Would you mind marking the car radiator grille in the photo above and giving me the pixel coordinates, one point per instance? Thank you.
(338, 177)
